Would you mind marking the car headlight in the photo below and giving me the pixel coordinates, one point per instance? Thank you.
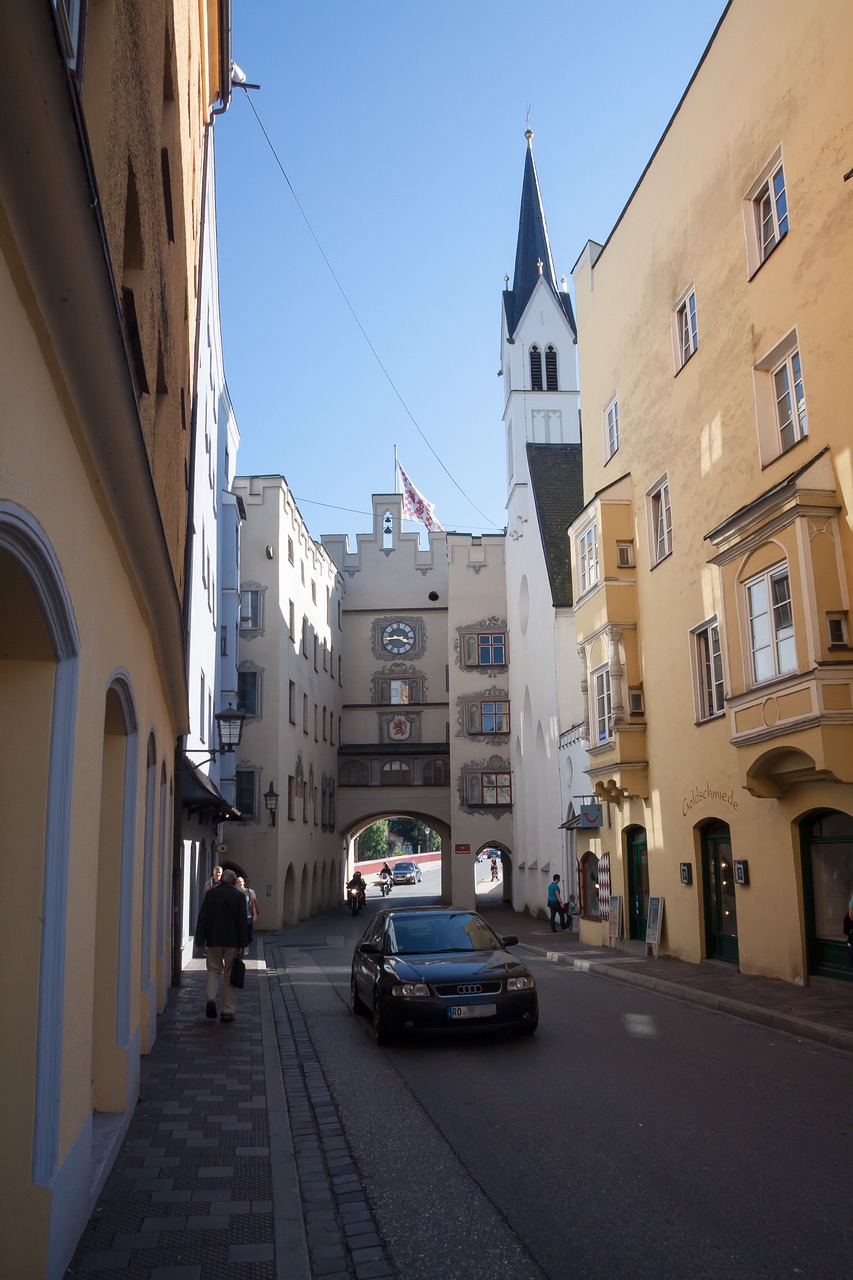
(410, 989)
(524, 983)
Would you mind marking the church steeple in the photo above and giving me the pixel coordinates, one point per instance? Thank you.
(533, 260)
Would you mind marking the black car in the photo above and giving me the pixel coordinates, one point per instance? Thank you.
(440, 969)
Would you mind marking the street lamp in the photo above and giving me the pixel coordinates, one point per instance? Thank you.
(271, 801)
(229, 727)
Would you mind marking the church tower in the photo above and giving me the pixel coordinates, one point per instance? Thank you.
(538, 341)
(544, 494)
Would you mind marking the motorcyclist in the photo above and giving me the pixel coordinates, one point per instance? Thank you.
(386, 878)
(357, 882)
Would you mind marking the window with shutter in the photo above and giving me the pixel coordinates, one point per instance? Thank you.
(550, 369)
(535, 369)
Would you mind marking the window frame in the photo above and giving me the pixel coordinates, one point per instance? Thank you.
(354, 773)
(797, 419)
(785, 354)
(552, 379)
(764, 189)
(602, 705)
(500, 718)
(494, 787)
(685, 328)
(393, 683)
(586, 548)
(659, 508)
(399, 769)
(436, 772)
(708, 671)
(70, 18)
(251, 675)
(610, 419)
(489, 643)
(239, 781)
(251, 622)
(778, 634)
(537, 370)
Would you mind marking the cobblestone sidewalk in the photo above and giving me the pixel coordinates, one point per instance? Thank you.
(235, 1165)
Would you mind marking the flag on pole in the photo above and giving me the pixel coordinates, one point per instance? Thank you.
(415, 505)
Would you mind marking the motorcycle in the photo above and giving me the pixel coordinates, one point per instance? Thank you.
(355, 898)
(385, 882)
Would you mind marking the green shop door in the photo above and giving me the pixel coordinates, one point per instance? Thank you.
(826, 841)
(718, 883)
(638, 883)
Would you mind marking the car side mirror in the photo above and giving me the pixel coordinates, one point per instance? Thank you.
(510, 940)
(370, 948)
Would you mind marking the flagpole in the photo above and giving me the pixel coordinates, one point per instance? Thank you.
(396, 473)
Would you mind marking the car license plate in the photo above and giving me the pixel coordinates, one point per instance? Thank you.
(472, 1011)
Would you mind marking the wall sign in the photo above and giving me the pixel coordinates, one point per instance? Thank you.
(653, 926)
(614, 927)
(462, 848)
(741, 871)
(590, 816)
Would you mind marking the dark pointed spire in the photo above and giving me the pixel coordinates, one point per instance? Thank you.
(533, 260)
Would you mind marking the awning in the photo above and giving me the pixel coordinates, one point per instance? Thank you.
(199, 795)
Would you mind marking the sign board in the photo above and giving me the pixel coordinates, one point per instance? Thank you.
(462, 848)
(654, 924)
(614, 929)
(590, 816)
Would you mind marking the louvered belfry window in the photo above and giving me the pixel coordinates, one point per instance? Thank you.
(550, 369)
(535, 369)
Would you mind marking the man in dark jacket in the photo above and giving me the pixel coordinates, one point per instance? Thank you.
(222, 928)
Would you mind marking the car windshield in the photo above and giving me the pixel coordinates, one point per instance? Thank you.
(462, 931)
(404, 866)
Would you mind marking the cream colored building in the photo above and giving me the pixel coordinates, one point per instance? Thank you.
(289, 678)
(425, 662)
(100, 176)
(713, 559)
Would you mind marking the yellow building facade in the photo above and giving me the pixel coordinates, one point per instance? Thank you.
(104, 108)
(713, 559)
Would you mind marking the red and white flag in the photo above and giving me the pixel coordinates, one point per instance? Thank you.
(415, 505)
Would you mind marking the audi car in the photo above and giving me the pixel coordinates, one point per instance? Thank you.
(407, 873)
(439, 969)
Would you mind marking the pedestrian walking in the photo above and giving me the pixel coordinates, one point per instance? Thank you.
(223, 930)
(215, 879)
(494, 862)
(556, 906)
(251, 904)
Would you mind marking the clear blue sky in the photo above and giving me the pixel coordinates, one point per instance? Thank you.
(401, 128)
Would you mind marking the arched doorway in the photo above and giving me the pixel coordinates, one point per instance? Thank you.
(718, 887)
(39, 648)
(636, 856)
(289, 912)
(826, 845)
(392, 833)
(487, 890)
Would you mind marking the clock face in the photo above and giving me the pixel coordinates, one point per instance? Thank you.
(398, 637)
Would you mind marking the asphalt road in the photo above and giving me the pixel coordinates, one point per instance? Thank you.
(632, 1137)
